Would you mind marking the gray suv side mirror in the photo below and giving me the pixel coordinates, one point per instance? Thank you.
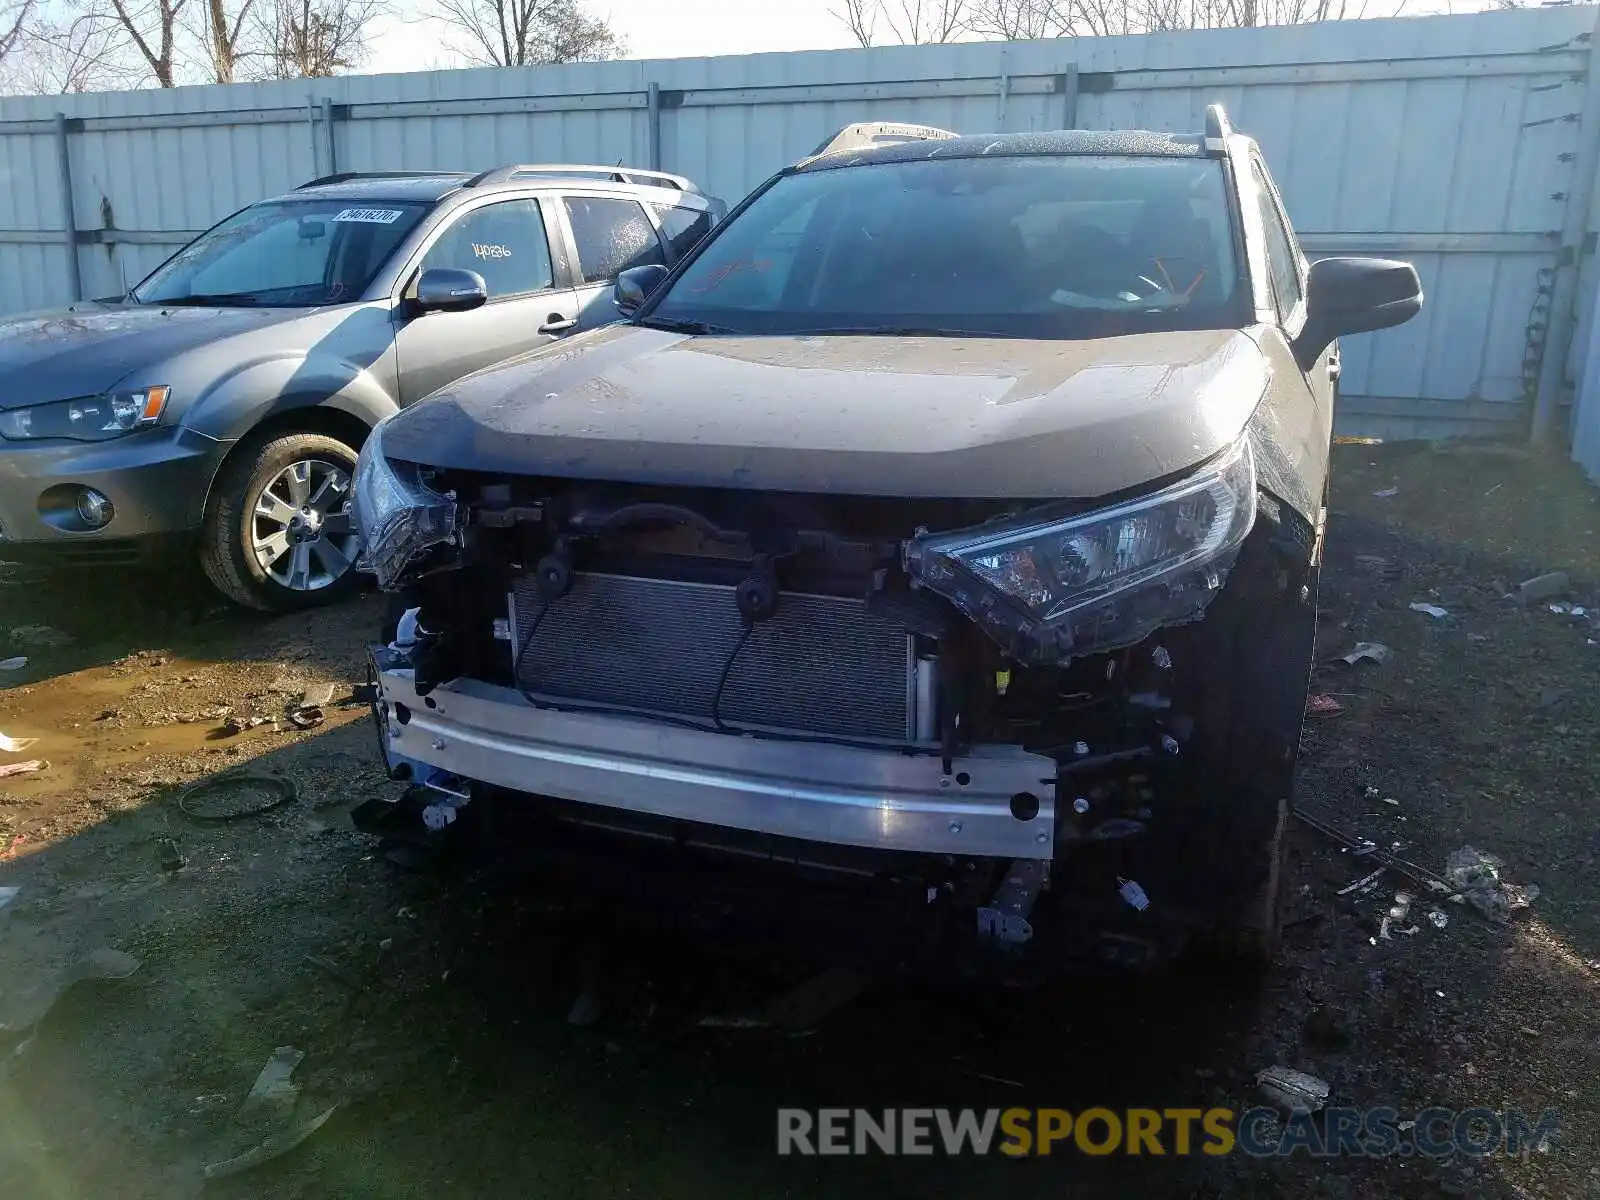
(450, 289)
(633, 286)
(1355, 295)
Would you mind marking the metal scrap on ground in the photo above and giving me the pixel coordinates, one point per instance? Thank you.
(13, 745)
(1294, 1090)
(1375, 652)
(1479, 877)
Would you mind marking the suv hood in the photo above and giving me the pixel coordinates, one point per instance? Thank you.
(86, 349)
(884, 416)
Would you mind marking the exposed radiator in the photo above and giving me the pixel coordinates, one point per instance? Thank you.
(821, 664)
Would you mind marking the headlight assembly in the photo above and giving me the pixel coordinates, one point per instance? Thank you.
(398, 515)
(1049, 590)
(88, 418)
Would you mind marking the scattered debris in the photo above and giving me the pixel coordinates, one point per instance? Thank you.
(1478, 875)
(1391, 800)
(1437, 918)
(1375, 652)
(274, 1094)
(1542, 587)
(1579, 610)
(306, 718)
(14, 664)
(1294, 1090)
(1385, 493)
(270, 791)
(319, 696)
(168, 856)
(13, 745)
(1361, 884)
(269, 1149)
(1561, 609)
(1132, 894)
(1318, 704)
(11, 847)
(1433, 610)
(1162, 657)
(32, 766)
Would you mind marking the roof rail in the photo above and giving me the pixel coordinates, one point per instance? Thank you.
(617, 174)
(879, 133)
(347, 176)
(1218, 130)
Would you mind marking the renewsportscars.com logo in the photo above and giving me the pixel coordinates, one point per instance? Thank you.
(1257, 1132)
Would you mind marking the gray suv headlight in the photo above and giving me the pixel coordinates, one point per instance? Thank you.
(1049, 590)
(397, 514)
(88, 418)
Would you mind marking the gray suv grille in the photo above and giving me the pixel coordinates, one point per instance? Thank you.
(822, 664)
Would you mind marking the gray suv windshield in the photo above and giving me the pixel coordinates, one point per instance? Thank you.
(1012, 247)
(286, 253)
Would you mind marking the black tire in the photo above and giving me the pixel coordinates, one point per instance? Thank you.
(227, 550)
(1252, 725)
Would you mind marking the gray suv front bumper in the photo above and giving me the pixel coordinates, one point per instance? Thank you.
(157, 481)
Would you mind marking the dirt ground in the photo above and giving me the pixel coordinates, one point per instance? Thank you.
(432, 1007)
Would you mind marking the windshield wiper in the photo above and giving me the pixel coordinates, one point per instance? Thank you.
(896, 331)
(211, 300)
(674, 325)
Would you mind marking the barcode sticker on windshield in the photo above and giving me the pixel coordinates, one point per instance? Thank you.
(370, 216)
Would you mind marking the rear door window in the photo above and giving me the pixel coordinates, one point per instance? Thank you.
(612, 235)
(1282, 259)
(505, 243)
(682, 227)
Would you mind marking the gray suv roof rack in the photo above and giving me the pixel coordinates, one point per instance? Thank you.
(347, 176)
(879, 133)
(633, 175)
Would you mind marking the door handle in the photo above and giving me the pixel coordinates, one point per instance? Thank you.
(556, 323)
(1334, 366)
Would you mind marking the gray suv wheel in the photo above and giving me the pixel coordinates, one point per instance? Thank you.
(278, 535)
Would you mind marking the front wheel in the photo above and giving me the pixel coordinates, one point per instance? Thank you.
(278, 534)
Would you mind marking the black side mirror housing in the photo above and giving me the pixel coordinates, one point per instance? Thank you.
(1355, 295)
(633, 287)
(450, 289)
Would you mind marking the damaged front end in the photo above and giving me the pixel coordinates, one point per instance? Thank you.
(1020, 705)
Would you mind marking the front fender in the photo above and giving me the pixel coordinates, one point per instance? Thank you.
(242, 400)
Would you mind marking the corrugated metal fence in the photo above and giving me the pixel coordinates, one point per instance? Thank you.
(1449, 141)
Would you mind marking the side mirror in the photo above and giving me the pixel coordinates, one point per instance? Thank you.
(450, 289)
(1355, 295)
(633, 287)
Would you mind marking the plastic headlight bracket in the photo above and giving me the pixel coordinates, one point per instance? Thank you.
(398, 515)
(1050, 589)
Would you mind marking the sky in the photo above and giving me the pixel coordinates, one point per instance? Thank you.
(651, 29)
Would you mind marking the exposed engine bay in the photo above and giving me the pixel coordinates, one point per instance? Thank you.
(773, 664)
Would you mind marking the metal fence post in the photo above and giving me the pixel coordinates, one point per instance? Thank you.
(653, 123)
(69, 220)
(1067, 85)
(333, 144)
(1558, 333)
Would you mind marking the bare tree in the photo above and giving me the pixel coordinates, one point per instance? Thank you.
(1014, 20)
(313, 39)
(85, 51)
(860, 17)
(520, 33)
(13, 24)
(152, 26)
(910, 22)
(223, 34)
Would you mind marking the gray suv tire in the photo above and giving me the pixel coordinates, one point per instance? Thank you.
(278, 535)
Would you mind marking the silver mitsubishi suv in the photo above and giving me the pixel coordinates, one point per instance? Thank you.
(219, 406)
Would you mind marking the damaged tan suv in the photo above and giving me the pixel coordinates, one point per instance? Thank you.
(944, 530)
